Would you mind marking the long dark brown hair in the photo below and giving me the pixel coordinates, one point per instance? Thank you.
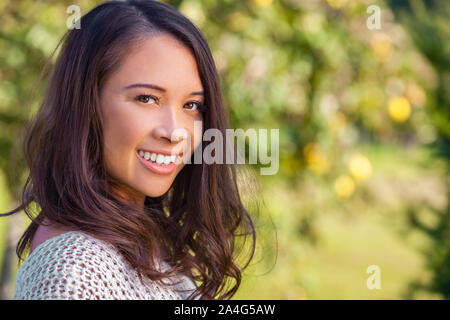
(200, 221)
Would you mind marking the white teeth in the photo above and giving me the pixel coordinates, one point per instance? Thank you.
(167, 160)
(158, 158)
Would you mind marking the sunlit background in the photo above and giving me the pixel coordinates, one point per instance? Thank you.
(363, 113)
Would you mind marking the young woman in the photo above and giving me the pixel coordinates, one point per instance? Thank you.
(123, 214)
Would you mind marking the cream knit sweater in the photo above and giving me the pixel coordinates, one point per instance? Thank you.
(74, 265)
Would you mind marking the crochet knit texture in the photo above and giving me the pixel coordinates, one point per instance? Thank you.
(74, 265)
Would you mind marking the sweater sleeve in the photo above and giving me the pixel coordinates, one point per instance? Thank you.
(66, 268)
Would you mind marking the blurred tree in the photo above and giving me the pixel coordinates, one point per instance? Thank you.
(429, 25)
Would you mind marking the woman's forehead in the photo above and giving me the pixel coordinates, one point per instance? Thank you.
(160, 60)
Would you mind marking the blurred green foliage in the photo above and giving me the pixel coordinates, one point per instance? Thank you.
(429, 27)
(358, 109)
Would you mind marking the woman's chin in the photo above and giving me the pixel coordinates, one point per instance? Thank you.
(156, 191)
(155, 194)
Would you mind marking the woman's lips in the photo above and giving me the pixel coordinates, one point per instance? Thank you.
(156, 168)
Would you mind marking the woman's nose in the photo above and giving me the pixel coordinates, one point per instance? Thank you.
(169, 127)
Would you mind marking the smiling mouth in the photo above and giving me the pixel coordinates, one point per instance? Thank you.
(159, 158)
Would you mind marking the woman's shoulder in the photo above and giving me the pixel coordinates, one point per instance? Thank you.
(72, 245)
(75, 265)
(70, 265)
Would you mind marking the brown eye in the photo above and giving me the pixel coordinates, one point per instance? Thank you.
(196, 105)
(146, 99)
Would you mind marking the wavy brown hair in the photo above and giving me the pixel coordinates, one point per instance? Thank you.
(200, 221)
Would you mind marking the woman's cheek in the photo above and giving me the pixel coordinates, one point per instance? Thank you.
(123, 124)
(121, 134)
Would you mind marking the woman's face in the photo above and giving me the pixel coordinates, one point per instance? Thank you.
(139, 119)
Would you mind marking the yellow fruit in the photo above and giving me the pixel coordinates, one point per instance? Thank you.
(315, 159)
(360, 167)
(399, 109)
(344, 186)
(382, 46)
(262, 3)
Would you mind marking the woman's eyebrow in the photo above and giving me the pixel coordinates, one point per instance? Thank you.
(152, 86)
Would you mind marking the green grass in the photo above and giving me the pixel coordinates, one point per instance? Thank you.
(336, 267)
